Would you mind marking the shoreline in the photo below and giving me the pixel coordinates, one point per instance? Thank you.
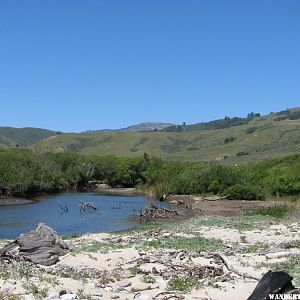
(15, 201)
(130, 192)
(143, 263)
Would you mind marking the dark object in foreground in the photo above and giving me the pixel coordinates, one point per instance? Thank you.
(274, 283)
(41, 246)
(154, 212)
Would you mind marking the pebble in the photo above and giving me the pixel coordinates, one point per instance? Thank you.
(180, 256)
(154, 268)
(165, 259)
(140, 286)
(150, 258)
(144, 297)
(114, 297)
(68, 297)
(124, 283)
(53, 295)
(63, 292)
(28, 297)
(154, 286)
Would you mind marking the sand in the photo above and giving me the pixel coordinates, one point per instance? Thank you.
(119, 279)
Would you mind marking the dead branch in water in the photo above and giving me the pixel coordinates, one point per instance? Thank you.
(87, 205)
(64, 209)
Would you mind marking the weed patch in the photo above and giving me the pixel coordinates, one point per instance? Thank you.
(278, 211)
(257, 247)
(149, 279)
(197, 243)
(36, 291)
(184, 284)
(9, 296)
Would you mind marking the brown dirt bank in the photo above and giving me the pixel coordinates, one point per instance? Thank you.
(195, 206)
(107, 190)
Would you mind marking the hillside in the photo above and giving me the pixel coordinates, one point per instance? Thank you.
(275, 135)
(15, 137)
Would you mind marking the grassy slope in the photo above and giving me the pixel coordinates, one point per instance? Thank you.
(10, 136)
(270, 139)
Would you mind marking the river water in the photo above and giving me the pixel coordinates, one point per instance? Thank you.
(114, 213)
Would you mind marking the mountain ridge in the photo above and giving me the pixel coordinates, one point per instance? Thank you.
(228, 140)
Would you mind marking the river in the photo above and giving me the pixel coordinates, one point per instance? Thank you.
(114, 213)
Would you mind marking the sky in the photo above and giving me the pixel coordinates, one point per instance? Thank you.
(94, 64)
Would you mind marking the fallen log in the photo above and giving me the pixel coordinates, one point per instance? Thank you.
(40, 246)
(273, 283)
(282, 254)
(215, 198)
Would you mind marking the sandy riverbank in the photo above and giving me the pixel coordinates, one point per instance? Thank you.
(154, 262)
(14, 201)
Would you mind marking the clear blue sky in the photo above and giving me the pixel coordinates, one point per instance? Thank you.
(76, 65)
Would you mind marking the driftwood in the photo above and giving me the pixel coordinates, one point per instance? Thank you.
(282, 254)
(230, 267)
(175, 295)
(40, 246)
(274, 283)
(154, 212)
(215, 198)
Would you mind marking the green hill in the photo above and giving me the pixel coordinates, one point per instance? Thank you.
(231, 140)
(22, 137)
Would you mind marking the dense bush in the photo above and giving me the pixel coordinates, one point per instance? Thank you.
(229, 140)
(227, 122)
(250, 130)
(244, 192)
(24, 172)
(242, 153)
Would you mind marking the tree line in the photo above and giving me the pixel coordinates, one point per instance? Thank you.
(23, 172)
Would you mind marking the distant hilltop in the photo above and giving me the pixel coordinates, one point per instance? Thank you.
(145, 126)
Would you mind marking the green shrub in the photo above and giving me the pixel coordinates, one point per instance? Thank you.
(250, 130)
(242, 153)
(229, 139)
(244, 192)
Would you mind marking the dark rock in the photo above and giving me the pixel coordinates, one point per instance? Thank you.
(276, 283)
(41, 246)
